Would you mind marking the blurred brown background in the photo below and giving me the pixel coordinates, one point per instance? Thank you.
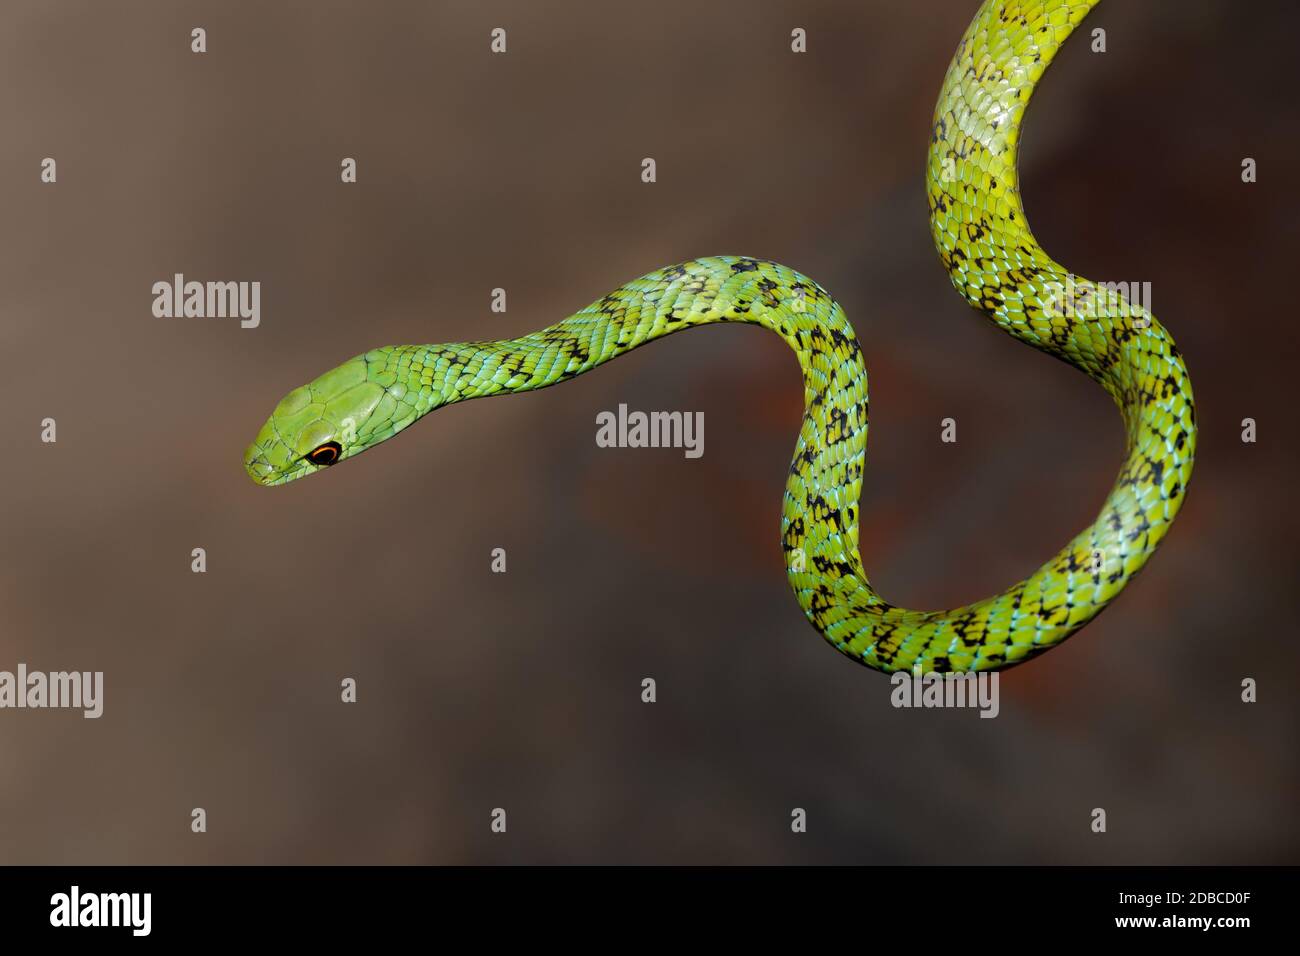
(521, 690)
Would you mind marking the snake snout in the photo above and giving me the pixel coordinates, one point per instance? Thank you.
(258, 468)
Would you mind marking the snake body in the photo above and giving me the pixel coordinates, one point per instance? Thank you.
(994, 262)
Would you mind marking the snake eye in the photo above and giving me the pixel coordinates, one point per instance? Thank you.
(325, 454)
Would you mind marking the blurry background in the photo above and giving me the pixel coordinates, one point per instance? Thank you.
(522, 690)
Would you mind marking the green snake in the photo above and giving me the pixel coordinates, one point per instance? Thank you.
(979, 228)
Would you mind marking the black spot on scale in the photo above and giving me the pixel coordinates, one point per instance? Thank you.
(745, 265)
(961, 625)
(1140, 530)
(1017, 596)
(840, 339)
(823, 564)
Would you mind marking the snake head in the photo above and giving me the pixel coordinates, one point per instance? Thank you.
(316, 426)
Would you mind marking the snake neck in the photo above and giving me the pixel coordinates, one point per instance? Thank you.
(819, 524)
